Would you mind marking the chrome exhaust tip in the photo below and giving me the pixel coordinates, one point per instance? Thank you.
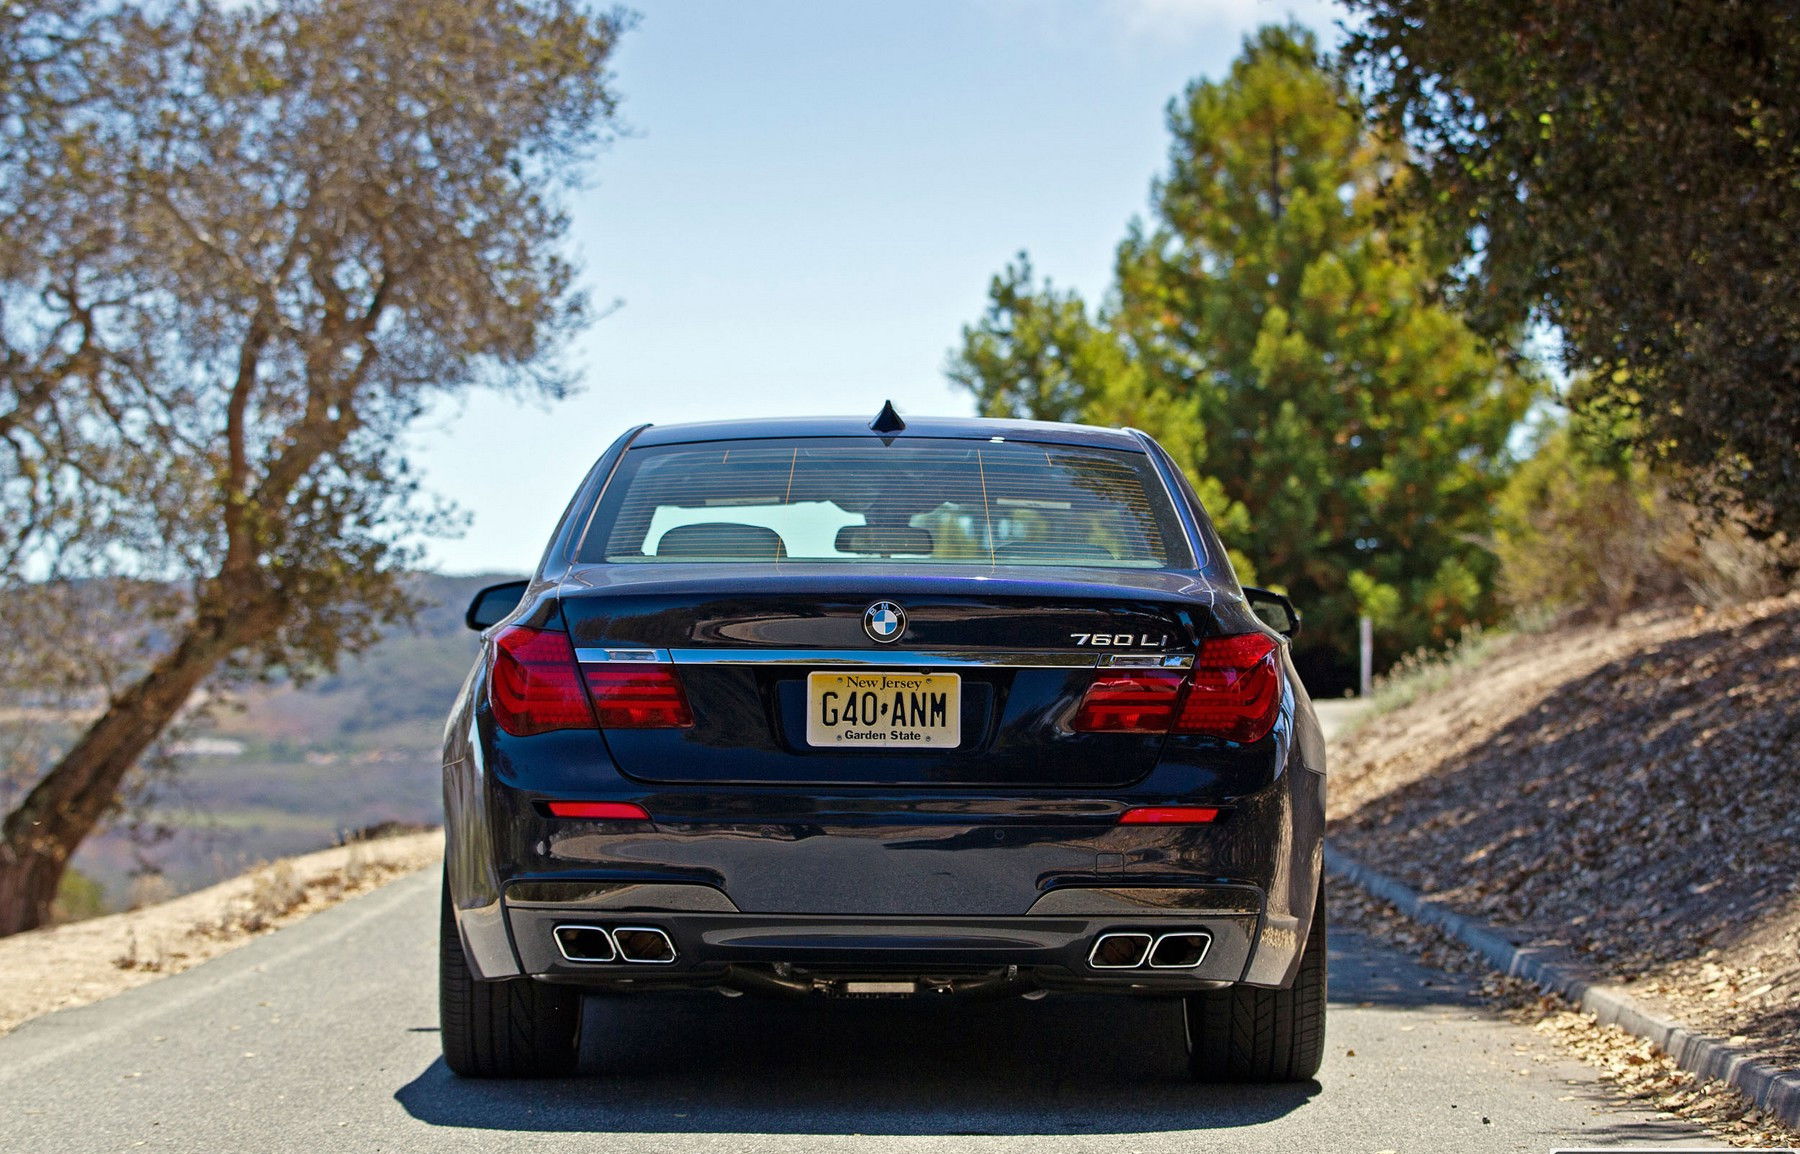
(1119, 951)
(1181, 951)
(645, 945)
(585, 944)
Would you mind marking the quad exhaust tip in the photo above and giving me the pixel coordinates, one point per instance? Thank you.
(1182, 950)
(585, 944)
(646, 945)
(1119, 951)
(643, 945)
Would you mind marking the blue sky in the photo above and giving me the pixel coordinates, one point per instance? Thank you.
(809, 206)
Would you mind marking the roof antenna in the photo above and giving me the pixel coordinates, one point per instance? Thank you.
(887, 420)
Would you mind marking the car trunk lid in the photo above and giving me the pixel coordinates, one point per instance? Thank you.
(989, 667)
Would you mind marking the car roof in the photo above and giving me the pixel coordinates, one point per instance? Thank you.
(956, 428)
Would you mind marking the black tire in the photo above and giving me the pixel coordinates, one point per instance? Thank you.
(513, 1028)
(1246, 1034)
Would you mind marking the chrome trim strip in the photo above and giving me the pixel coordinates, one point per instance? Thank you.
(879, 657)
(1148, 661)
(604, 656)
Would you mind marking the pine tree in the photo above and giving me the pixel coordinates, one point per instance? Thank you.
(1277, 326)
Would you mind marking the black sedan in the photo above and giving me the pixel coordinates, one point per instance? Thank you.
(833, 708)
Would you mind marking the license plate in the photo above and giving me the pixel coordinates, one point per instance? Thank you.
(884, 710)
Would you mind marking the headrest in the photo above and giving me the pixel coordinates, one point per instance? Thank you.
(717, 539)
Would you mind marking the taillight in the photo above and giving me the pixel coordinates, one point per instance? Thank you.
(1129, 701)
(534, 687)
(537, 686)
(1234, 689)
(634, 696)
(1233, 692)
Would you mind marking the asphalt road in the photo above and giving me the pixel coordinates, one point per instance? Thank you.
(323, 1037)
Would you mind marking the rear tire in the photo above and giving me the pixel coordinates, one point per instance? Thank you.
(1246, 1034)
(512, 1028)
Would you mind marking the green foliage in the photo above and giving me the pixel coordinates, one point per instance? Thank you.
(1362, 424)
(79, 896)
(1585, 530)
(1629, 173)
(1035, 353)
(1279, 331)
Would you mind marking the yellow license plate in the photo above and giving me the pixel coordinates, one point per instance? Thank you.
(884, 710)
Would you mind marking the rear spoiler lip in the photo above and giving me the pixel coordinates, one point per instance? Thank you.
(1162, 587)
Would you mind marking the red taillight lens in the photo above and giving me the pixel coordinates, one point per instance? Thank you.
(1234, 690)
(534, 687)
(598, 810)
(631, 696)
(1129, 701)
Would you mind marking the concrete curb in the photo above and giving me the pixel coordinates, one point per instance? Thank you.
(1771, 1088)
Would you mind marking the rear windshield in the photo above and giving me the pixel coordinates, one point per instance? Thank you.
(851, 500)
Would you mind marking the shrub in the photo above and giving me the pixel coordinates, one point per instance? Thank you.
(1584, 531)
(78, 896)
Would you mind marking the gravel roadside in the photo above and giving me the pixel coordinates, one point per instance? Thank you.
(1623, 793)
(81, 962)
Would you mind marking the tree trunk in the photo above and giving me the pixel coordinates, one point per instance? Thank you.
(42, 834)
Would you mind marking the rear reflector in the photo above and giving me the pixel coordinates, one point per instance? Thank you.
(635, 696)
(1233, 692)
(1169, 815)
(534, 687)
(599, 810)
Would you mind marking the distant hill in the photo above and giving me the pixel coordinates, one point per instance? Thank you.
(296, 767)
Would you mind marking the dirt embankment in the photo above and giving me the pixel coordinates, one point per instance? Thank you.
(1629, 793)
(82, 962)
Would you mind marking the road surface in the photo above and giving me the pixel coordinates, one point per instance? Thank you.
(323, 1037)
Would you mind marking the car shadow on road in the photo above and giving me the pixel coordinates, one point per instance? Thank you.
(706, 1064)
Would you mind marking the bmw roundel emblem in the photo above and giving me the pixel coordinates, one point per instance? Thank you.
(884, 621)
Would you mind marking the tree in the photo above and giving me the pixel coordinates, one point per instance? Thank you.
(1284, 340)
(1629, 173)
(1035, 353)
(246, 245)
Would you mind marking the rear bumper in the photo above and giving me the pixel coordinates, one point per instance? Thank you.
(1049, 948)
(902, 879)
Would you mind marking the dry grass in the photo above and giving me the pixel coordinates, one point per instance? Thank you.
(81, 962)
